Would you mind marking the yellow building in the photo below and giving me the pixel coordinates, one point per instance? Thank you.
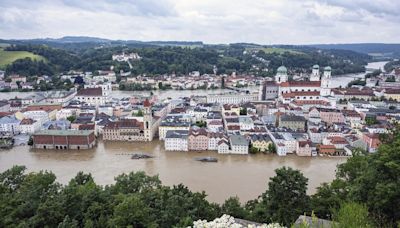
(261, 142)
(393, 94)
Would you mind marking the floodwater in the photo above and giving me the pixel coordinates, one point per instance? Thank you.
(245, 176)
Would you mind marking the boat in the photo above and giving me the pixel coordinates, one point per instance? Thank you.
(207, 159)
(141, 156)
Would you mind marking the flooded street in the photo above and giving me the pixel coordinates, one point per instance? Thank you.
(245, 176)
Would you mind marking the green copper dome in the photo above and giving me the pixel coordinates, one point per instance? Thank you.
(315, 67)
(282, 69)
(328, 68)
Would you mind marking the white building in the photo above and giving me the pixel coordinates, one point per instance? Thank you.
(232, 98)
(239, 144)
(223, 147)
(40, 116)
(63, 114)
(9, 124)
(176, 140)
(29, 126)
(92, 96)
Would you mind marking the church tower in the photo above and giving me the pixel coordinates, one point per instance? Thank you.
(315, 74)
(326, 82)
(281, 75)
(147, 120)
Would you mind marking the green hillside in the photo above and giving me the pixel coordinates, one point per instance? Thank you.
(274, 50)
(7, 57)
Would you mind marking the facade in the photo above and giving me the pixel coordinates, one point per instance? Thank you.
(64, 139)
(214, 138)
(92, 96)
(171, 123)
(292, 122)
(124, 130)
(232, 98)
(9, 124)
(198, 139)
(261, 142)
(315, 89)
(304, 148)
(268, 90)
(223, 147)
(29, 126)
(176, 140)
(239, 144)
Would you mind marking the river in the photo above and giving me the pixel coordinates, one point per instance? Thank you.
(245, 176)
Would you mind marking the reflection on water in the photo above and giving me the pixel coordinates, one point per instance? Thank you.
(241, 175)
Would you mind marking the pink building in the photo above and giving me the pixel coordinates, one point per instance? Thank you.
(304, 148)
(372, 141)
(331, 116)
(198, 139)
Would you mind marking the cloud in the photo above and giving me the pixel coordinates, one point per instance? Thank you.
(222, 21)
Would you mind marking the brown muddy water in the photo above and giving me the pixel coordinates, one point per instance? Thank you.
(245, 176)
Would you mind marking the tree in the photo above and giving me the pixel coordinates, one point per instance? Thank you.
(232, 207)
(71, 118)
(243, 111)
(272, 148)
(352, 215)
(286, 197)
(132, 212)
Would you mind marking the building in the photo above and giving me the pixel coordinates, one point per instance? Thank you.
(29, 126)
(9, 124)
(198, 139)
(261, 142)
(92, 96)
(232, 98)
(314, 89)
(239, 144)
(304, 148)
(176, 140)
(214, 138)
(292, 122)
(269, 90)
(124, 130)
(171, 123)
(64, 139)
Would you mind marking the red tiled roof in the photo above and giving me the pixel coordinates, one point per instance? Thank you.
(92, 92)
(125, 124)
(302, 93)
(301, 84)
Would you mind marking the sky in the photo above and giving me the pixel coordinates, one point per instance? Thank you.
(210, 21)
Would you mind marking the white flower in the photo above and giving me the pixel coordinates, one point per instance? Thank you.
(227, 221)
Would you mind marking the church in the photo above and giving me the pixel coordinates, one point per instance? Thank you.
(316, 88)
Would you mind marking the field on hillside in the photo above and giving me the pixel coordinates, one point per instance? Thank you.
(7, 57)
(275, 50)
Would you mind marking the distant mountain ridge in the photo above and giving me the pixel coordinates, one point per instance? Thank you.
(366, 48)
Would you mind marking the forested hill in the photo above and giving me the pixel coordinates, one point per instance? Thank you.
(390, 50)
(184, 57)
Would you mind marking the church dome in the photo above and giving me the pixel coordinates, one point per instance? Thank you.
(315, 67)
(282, 69)
(328, 68)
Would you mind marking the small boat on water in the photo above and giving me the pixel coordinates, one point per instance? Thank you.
(207, 159)
(141, 156)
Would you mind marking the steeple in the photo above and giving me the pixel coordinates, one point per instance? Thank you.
(281, 75)
(315, 74)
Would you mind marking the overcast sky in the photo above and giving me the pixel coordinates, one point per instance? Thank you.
(211, 21)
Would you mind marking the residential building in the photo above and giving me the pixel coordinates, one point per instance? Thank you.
(176, 140)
